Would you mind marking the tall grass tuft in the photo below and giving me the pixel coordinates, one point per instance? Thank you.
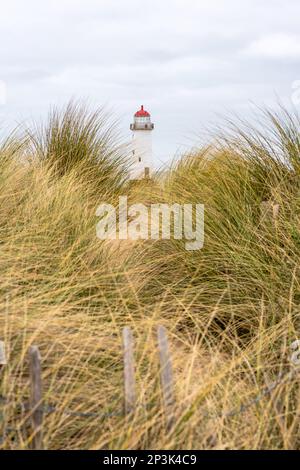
(75, 138)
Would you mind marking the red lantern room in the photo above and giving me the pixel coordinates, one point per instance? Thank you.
(142, 120)
(142, 112)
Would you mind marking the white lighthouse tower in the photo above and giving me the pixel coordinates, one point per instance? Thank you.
(142, 128)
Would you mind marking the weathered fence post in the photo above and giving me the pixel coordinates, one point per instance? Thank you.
(269, 211)
(3, 360)
(166, 375)
(129, 378)
(36, 405)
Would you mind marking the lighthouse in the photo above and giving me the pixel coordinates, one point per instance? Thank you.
(142, 128)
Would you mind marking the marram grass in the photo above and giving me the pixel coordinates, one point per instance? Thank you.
(231, 309)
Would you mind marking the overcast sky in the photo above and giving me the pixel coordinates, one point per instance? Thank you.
(187, 61)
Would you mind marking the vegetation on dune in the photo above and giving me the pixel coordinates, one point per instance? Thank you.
(231, 309)
(246, 258)
(76, 139)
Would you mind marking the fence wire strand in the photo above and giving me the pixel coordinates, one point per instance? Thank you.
(49, 409)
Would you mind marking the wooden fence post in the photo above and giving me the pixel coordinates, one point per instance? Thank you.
(36, 405)
(3, 360)
(129, 378)
(269, 211)
(166, 375)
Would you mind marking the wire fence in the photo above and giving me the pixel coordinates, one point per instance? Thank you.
(36, 408)
(266, 391)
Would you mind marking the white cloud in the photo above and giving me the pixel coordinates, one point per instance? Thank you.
(186, 60)
(3, 93)
(275, 46)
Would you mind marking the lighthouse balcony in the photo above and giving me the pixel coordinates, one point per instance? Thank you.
(142, 126)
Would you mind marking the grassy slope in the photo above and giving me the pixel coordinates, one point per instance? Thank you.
(231, 309)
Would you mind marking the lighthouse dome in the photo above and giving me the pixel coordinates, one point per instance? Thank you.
(142, 113)
(142, 121)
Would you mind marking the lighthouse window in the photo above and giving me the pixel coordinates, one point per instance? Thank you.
(140, 159)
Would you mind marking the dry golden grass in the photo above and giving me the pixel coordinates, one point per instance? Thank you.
(231, 309)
